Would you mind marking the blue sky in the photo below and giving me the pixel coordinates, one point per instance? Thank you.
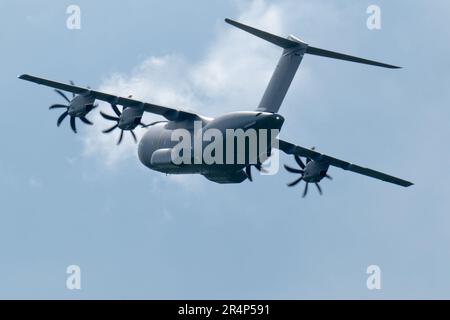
(79, 199)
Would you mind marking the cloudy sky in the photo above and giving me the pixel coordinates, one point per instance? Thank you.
(80, 200)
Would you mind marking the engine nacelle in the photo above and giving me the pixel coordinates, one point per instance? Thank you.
(81, 105)
(130, 118)
(315, 171)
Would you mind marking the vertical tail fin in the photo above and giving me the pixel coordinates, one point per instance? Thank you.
(284, 73)
(294, 50)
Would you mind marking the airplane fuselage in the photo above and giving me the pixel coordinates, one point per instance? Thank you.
(155, 147)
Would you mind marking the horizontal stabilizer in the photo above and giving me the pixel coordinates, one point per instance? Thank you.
(341, 56)
(276, 40)
(292, 42)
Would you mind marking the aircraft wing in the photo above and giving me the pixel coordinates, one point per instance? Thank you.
(168, 113)
(290, 148)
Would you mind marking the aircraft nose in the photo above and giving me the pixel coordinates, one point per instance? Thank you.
(278, 118)
(271, 116)
(270, 121)
(275, 121)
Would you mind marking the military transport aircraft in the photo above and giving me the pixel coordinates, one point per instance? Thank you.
(156, 145)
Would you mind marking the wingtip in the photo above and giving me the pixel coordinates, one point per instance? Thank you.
(25, 76)
(407, 184)
(231, 21)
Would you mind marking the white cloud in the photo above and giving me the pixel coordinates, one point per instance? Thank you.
(157, 79)
(231, 76)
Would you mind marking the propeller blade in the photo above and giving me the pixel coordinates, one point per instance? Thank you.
(108, 117)
(260, 168)
(294, 183)
(299, 161)
(248, 171)
(319, 188)
(120, 137)
(305, 192)
(151, 124)
(61, 118)
(72, 124)
(293, 170)
(58, 106)
(116, 110)
(328, 177)
(62, 95)
(134, 136)
(86, 121)
(110, 129)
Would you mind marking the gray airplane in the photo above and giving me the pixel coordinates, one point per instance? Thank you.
(156, 145)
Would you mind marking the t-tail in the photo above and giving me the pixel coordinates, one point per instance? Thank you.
(294, 50)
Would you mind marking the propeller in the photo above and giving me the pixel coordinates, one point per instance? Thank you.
(117, 120)
(66, 113)
(301, 171)
(248, 170)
